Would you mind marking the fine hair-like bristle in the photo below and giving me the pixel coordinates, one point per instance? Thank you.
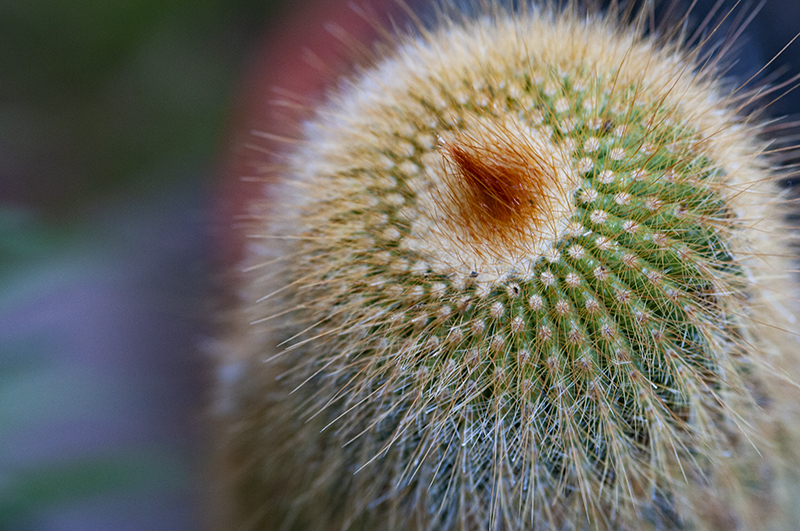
(525, 271)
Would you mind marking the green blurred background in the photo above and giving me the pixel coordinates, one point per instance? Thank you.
(98, 94)
(112, 128)
(112, 121)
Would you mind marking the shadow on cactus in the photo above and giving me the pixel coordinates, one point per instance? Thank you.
(526, 271)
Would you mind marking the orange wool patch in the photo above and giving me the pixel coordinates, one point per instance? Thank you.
(501, 188)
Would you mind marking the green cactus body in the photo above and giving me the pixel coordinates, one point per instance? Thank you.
(519, 286)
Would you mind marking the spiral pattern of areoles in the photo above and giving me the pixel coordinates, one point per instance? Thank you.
(518, 287)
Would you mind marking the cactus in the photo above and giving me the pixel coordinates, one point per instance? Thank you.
(524, 272)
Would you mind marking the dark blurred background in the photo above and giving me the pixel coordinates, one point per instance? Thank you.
(115, 118)
(112, 124)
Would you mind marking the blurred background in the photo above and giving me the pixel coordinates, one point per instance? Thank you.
(122, 122)
(112, 120)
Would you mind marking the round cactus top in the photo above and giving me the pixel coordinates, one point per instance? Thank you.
(520, 279)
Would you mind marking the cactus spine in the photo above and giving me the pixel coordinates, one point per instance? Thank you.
(522, 274)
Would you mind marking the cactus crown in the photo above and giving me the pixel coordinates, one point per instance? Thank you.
(520, 288)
